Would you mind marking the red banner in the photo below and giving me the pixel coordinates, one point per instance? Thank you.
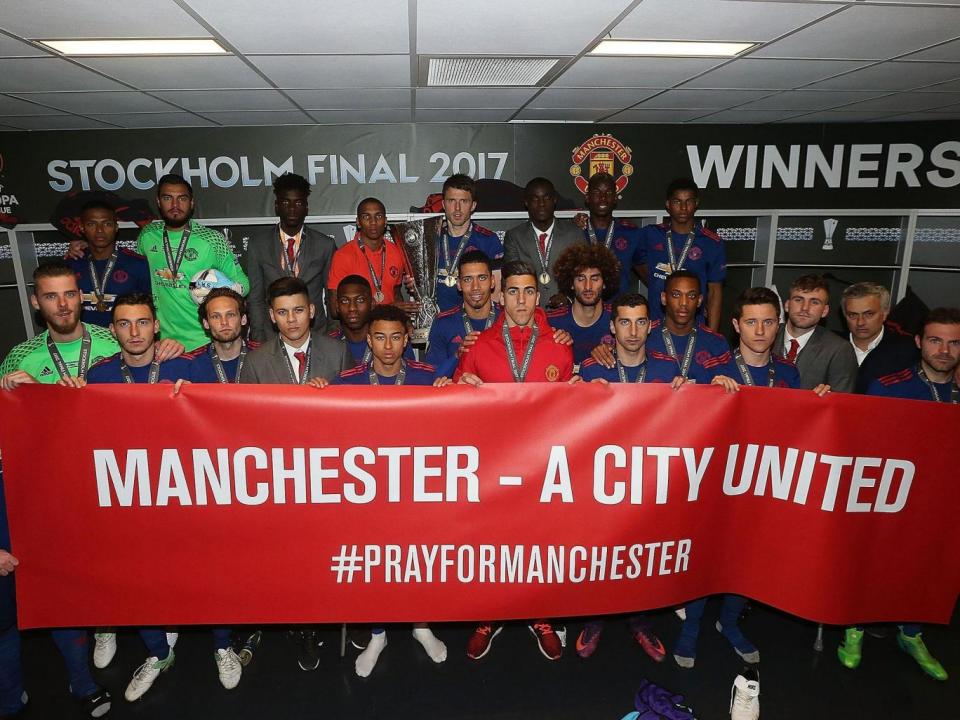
(274, 504)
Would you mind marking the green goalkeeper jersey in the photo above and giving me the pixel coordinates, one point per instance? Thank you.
(176, 310)
(34, 357)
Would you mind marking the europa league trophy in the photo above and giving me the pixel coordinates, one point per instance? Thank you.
(829, 227)
(417, 241)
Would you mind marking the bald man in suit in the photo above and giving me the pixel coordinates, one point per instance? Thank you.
(543, 238)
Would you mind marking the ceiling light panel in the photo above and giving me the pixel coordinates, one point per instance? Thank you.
(136, 47)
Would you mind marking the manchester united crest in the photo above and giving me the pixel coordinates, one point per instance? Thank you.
(601, 153)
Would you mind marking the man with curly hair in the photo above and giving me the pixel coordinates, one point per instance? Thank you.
(588, 275)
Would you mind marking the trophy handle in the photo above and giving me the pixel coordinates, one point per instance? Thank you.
(396, 232)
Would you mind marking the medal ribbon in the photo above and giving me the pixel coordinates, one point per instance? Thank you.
(641, 376)
(174, 263)
(672, 350)
(451, 267)
(745, 372)
(607, 241)
(377, 282)
(82, 363)
(100, 285)
(151, 379)
(218, 364)
(520, 373)
(401, 376)
(674, 264)
(934, 393)
(293, 373)
(468, 328)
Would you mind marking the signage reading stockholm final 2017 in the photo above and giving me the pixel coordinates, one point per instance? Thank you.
(766, 166)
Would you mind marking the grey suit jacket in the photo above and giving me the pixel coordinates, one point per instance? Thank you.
(268, 364)
(263, 267)
(826, 358)
(520, 243)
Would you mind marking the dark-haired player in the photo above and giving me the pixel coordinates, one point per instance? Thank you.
(105, 271)
(223, 314)
(682, 244)
(619, 236)
(354, 304)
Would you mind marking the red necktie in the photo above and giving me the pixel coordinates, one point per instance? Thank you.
(291, 255)
(794, 349)
(543, 243)
(302, 360)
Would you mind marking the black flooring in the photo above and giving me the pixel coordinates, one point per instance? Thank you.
(515, 681)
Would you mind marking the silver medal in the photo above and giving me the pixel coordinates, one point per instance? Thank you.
(378, 296)
(544, 278)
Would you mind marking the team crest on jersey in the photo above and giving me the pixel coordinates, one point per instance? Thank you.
(620, 243)
(395, 272)
(695, 253)
(553, 372)
(601, 154)
(190, 254)
(121, 276)
(702, 357)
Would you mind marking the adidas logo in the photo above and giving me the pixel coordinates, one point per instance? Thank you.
(154, 249)
(45, 372)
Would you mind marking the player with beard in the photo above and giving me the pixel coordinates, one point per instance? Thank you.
(588, 274)
(177, 248)
(460, 235)
(223, 314)
(105, 271)
(930, 379)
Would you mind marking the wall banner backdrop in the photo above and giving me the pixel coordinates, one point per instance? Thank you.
(759, 167)
(277, 504)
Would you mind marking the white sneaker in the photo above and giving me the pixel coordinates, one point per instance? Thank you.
(104, 649)
(228, 667)
(145, 675)
(745, 696)
(172, 639)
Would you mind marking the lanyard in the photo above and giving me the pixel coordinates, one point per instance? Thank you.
(174, 263)
(306, 367)
(607, 241)
(285, 260)
(934, 393)
(218, 364)
(100, 285)
(672, 350)
(82, 363)
(151, 379)
(520, 373)
(377, 282)
(401, 376)
(641, 376)
(745, 371)
(468, 328)
(450, 267)
(674, 264)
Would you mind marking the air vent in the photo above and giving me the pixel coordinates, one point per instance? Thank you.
(487, 71)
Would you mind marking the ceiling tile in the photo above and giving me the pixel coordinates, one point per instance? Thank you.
(381, 115)
(335, 71)
(591, 97)
(369, 99)
(741, 115)
(14, 48)
(592, 72)
(49, 19)
(49, 73)
(13, 106)
(261, 117)
(810, 99)
(53, 122)
(712, 20)
(869, 32)
(772, 74)
(893, 76)
(473, 97)
(566, 114)
(226, 100)
(99, 102)
(836, 116)
(179, 73)
(655, 116)
(948, 52)
(473, 115)
(905, 102)
(702, 98)
(543, 27)
(154, 120)
(298, 26)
